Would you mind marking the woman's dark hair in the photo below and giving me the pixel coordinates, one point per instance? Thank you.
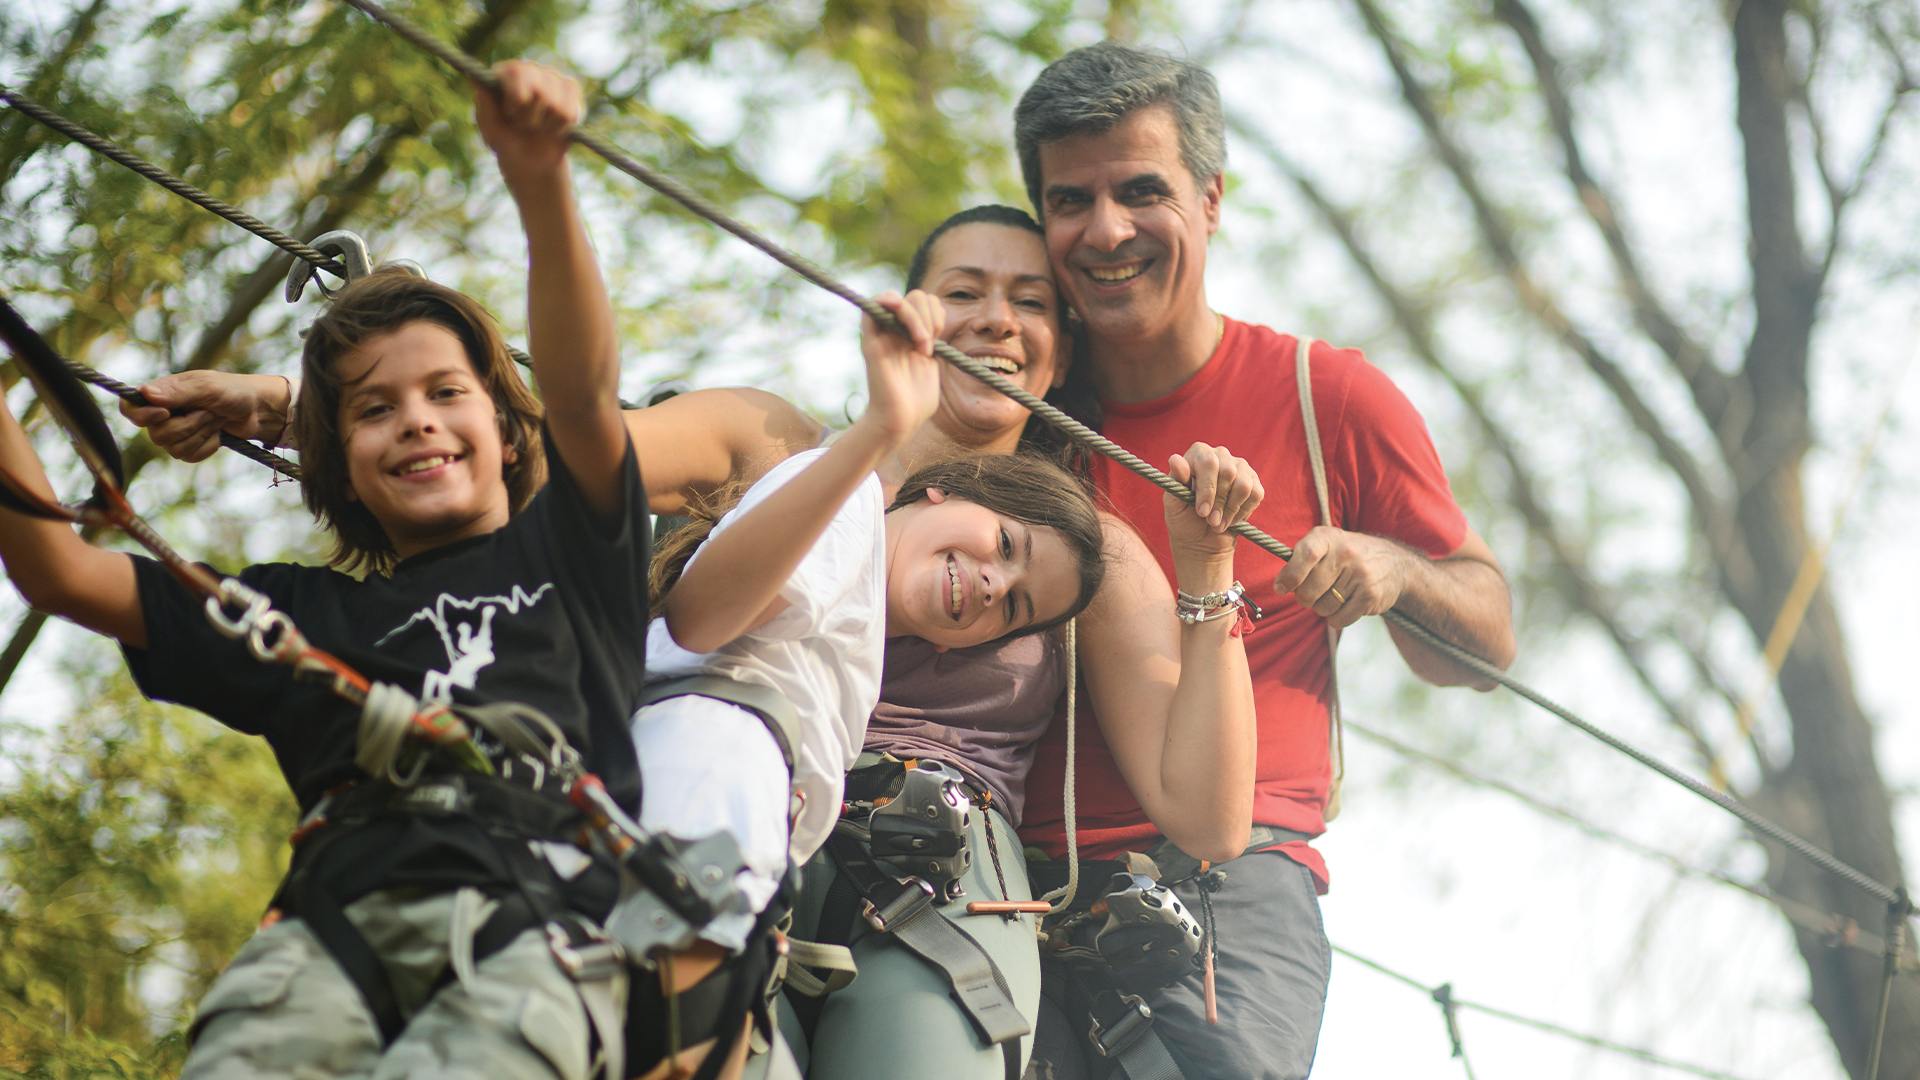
(1075, 397)
(1029, 489)
(988, 214)
(380, 303)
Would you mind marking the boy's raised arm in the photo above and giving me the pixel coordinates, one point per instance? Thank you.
(55, 570)
(576, 358)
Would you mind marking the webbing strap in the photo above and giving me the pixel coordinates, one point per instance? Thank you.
(1122, 1031)
(771, 706)
(974, 979)
(1336, 734)
(805, 958)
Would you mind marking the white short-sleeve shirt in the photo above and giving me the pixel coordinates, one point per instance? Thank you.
(823, 652)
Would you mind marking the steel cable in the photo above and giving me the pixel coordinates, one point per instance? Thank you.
(132, 395)
(104, 148)
(474, 70)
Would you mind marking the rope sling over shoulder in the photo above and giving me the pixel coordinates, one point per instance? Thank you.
(273, 638)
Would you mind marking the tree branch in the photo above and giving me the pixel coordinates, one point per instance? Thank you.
(1784, 296)
(1710, 512)
(1841, 195)
(1711, 390)
(1585, 593)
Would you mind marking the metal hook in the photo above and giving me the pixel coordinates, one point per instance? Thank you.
(343, 244)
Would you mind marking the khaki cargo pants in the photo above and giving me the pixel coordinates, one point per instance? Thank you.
(284, 1008)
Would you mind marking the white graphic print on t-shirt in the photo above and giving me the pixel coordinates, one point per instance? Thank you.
(466, 630)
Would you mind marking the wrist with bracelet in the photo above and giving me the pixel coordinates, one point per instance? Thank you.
(1230, 602)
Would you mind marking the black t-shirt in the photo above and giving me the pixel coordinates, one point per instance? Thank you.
(549, 611)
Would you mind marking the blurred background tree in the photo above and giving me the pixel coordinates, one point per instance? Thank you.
(1641, 264)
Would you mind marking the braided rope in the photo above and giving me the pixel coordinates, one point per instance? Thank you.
(167, 180)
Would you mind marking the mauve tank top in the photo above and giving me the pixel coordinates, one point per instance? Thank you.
(980, 709)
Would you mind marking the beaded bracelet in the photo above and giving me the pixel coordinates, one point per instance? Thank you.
(1232, 601)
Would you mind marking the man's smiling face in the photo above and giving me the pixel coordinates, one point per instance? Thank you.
(1127, 225)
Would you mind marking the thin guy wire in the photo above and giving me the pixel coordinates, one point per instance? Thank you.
(1839, 930)
(172, 183)
(477, 72)
(291, 246)
(1897, 914)
(1547, 1026)
(133, 395)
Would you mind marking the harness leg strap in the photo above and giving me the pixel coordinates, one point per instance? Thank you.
(906, 912)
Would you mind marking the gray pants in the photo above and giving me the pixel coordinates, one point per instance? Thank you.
(284, 1008)
(898, 1017)
(1270, 982)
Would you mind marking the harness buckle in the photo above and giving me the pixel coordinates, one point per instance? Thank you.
(915, 896)
(1124, 1030)
(598, 957)
(680, 887)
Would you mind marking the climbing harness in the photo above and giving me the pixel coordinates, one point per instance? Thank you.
(1135, 937)
(899, 851)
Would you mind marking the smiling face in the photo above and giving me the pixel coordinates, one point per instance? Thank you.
(422, 438)
(1127, 226)
(959, 574)
(1001, 309)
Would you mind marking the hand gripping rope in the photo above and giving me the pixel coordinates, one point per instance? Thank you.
(687, 884)
(1898, 906)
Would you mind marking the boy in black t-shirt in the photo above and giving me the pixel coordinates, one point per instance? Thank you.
(401, 950)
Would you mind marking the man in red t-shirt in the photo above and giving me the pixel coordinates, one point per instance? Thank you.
(1122, 151)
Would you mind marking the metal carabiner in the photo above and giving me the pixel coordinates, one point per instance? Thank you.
(273, 638)
(343, 244)
(235, 593)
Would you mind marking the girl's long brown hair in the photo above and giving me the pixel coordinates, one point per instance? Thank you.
(1025, 487)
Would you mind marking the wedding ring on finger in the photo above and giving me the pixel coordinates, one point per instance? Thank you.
(1335, 593)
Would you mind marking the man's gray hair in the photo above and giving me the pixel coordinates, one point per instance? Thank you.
(1088, 91)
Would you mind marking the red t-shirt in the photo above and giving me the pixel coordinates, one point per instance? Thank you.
(1383, 478)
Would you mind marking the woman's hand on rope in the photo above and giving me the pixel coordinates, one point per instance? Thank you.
(526, 120)
(903, 375)
(1346, 576)
(189, 410)
(1225, 492)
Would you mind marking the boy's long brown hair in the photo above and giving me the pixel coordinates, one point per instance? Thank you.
(379, 303)
(1025, 487)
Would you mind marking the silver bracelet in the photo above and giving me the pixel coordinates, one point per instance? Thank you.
(1192, 610)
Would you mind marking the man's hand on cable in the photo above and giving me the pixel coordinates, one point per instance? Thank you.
(1346, 576)
(190, 409)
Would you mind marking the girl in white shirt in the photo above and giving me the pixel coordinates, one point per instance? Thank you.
(799, 584)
